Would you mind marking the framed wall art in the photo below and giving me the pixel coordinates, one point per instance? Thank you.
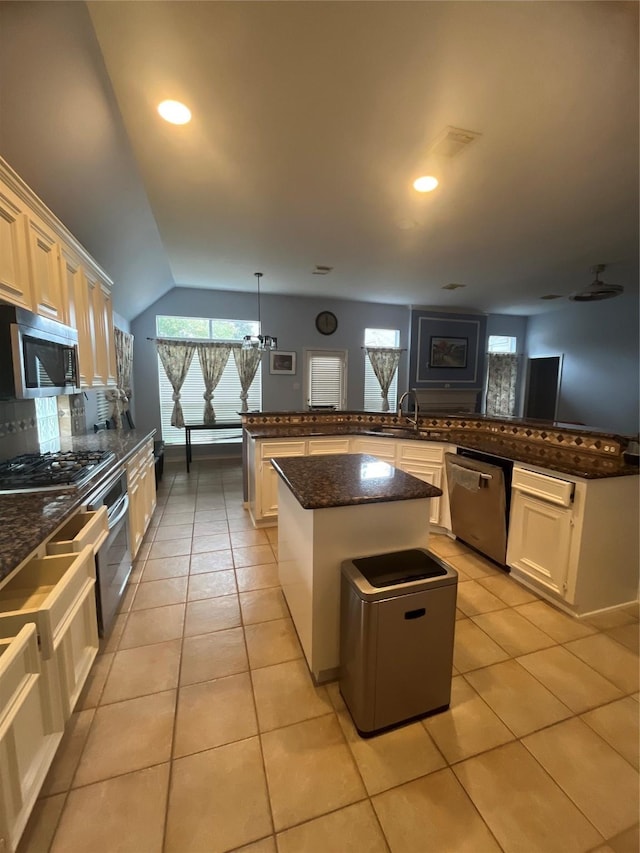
(448, 352)
(282, 362)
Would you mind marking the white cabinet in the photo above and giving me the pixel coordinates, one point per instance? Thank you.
(263, 482)
(323, 446)
(383, 448)
(540, 540)
(141, 488)
(56, 593)
(45, 271)
(76, 295)
(575, 541)
(100, 315)
(15, 285)
(29, 733)
(425, 460)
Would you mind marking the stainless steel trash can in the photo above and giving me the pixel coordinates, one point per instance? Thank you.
(397, 622)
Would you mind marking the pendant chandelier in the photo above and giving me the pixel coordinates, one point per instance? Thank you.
(260, 342)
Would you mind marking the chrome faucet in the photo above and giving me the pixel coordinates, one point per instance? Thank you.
(410, 393)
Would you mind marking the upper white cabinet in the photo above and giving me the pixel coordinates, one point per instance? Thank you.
(76, 295)
(15, 284)
(45, 271)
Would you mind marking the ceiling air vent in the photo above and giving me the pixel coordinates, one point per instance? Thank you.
(452, 141)
(452, 286)
(320, 270)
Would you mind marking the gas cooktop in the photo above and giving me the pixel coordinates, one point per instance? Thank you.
(69, 470)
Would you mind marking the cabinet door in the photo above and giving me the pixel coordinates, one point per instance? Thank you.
(539, 541)
(28, 740)
(15, 286)
(76, 290)
(135, 513)
(76, 647)
(45, 271)
(428, 473)
(267, 489)
(101, 322)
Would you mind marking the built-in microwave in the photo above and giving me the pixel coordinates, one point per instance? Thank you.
(38, 356)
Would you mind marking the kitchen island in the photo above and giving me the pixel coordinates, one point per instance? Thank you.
(333, 508)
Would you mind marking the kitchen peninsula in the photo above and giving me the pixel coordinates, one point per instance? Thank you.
(573, 531)
(332, 508)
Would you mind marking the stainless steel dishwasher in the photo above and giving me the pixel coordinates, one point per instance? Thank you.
(479, 495)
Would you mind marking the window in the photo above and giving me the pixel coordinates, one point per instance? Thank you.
(226, 397)
(325, 378)
(502, 343)
(103, 407)
(501, 376)
(372, 398)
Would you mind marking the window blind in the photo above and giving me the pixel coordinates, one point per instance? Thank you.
(326, 384)
(226, 402)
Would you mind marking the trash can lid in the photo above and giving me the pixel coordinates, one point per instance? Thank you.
(399, 567)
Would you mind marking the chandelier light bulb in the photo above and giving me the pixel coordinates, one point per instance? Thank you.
(174, 112)
(425, 184)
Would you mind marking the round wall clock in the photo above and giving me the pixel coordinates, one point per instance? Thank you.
(326, 322)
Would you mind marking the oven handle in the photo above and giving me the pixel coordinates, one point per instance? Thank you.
(124, 503)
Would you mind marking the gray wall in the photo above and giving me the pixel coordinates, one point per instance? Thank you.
(600, 376)
(290, 319)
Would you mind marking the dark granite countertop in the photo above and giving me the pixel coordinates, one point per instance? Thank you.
(348, 479)
(561, 460)
(27, 519)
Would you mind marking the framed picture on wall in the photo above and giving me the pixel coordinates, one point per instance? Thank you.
(282, 362)
(448, 352)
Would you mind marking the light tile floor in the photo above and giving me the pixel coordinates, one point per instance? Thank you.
(200, 729)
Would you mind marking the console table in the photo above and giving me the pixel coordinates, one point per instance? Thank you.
(217, 425)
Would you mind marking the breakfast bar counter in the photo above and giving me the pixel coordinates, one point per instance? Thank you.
(330, 509)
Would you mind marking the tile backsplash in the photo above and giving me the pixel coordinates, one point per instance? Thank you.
(36, 426)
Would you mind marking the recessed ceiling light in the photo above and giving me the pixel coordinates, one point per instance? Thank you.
(425, 184)
(174, 112)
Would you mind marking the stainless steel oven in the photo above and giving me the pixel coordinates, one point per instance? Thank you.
(113, 560)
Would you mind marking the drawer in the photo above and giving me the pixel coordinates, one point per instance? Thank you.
(420, 451)
(318, 446)
(85, 528)
(384, 448)
(268, 449)
(550, 489)
(45, 591)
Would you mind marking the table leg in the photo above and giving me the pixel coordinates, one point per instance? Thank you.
(188, 446)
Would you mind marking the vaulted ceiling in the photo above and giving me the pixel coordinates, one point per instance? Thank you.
(310, 122)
